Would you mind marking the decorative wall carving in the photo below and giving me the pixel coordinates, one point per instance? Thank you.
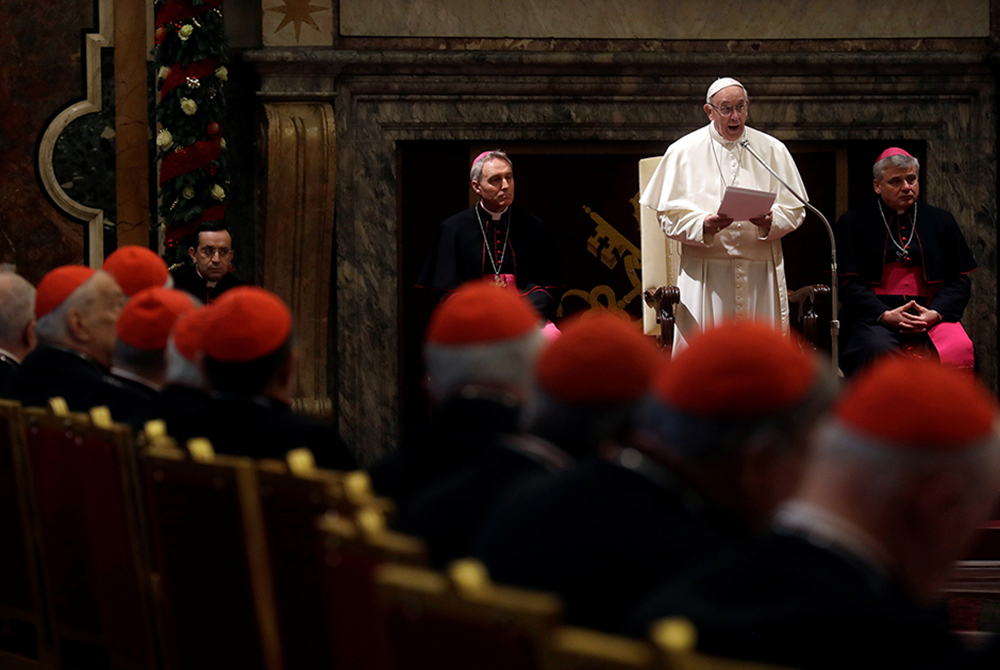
(93, 217)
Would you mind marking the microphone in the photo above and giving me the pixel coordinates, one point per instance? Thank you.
(834, 322)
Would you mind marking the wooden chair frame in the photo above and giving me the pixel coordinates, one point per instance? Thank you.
(90, 532)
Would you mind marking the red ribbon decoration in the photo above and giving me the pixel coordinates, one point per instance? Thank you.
(179, 10)
(189, 158)
(179, 75)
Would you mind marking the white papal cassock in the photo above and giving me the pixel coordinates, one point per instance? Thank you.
(739, 272)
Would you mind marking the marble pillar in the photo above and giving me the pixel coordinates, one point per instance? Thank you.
(131, 122)
(299, 143)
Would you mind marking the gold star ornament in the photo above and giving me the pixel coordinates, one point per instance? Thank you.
(297, 12)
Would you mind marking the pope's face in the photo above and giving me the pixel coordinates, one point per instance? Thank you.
(496, 187)
(899, 187)
(731, 99)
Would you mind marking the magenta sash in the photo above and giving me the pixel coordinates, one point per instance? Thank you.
(501, 281)
(950, 339)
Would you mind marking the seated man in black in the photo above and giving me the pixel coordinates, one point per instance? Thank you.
(590, 382)
(138, 364)
(17, 326)
(77, 310)
(897, 484)
(904, 273)
(717, 449)
(210, 273)
(249, 359)
(495, 242)
(478, 352)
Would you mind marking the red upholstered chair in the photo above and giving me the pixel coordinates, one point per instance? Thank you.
(354, 545)
(22, 644)
(462, 620)
(91, 538)
(215, 594)
(293, 495)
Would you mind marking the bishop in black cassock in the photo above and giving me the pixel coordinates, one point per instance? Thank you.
(495, 241)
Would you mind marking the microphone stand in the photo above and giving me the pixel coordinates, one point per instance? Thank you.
(834, 322)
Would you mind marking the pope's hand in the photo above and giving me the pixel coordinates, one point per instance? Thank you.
(716, 222)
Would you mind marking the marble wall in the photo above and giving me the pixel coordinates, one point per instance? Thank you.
(40, 72)
(381, 98)
(664, 19)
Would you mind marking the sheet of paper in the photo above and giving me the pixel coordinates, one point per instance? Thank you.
(743, 204)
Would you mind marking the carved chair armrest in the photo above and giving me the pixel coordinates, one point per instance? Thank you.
(809, 298)
(662, 300)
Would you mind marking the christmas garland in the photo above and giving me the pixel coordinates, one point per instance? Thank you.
(188, 57)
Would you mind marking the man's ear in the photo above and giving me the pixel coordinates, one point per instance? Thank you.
(877, 186)
(477, 188)
(28, 337)
(192, 252)
(76, 325)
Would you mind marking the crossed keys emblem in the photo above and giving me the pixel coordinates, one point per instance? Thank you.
(611, 247)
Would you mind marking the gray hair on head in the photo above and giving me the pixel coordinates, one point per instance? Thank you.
(17, 304)
(894, 161)
(476, 173)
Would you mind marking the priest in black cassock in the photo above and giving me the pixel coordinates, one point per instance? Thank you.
(904, 271)
(494, 241)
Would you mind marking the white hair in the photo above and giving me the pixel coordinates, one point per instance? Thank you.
(899, 465)
(476, 172)
(181, 371)
(52, 328)
(894, 161)
(17, 306)
(508, 363)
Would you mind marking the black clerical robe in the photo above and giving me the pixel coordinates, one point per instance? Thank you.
(259, 427)
(471, 245)
(791, 602)
(8, 373)
(186, 278)
(48, 372)
(600, 534)
(937, 251)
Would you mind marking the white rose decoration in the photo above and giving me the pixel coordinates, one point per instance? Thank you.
(185, 32)
(222, 73)
(188, 192)
(218, 192)
(164, 71)
(188, 106)
(164, 139)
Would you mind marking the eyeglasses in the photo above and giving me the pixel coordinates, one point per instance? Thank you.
(726, 110)
(209, 252)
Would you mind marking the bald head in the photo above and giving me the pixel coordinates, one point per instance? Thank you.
(17, 314)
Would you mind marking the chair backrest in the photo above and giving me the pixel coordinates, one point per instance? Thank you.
(82, 476)
(292, 496)
(20, 588)
(216, 600)
(676, 639)
(354, 546)
(573, 648)
(462, 620)
(660, 255)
